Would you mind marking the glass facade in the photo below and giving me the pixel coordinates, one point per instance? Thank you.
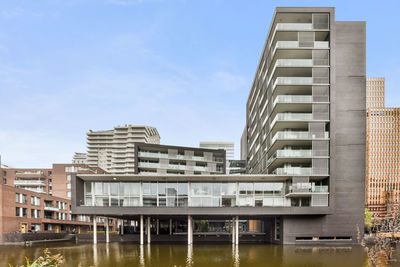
(187, 194)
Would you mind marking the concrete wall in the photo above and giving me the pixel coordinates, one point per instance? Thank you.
(347, 147)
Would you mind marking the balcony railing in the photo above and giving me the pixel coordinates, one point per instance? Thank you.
(153, 155)
(51, 208)
(294, 63)
(290, 153)
(149, 164)
(29, 172)
(29, 182)
(309, 188)
(293, 99)
(293, 171)
(295, 45)
(293, 27)
(292, 81)
(299, 135)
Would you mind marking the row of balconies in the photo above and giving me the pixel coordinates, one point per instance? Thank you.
(182, 157)
(30, 182)
(177, 167)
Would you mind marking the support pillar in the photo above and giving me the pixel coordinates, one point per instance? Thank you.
(148, 230)
(141, 230)
(190, 230)
(237, 230)
(94, 230)
(233, 230)
(170, 226)
(122, 227)
(107, 230)
(158, 226)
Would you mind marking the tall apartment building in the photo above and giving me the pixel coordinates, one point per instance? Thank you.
(305, 113)
(376, 92)
(36, 180)
(243, 145)
(383, 151)
(79, 158)
(156, 159)
(114, 151)
(306, 149)
(229, 147)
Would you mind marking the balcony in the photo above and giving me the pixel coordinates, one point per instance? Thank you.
(294, 63)
(296, 45)
(293, 171)
(292, 81)
(293, 99)
(289, 135)
(149, 165)
(177, 167)
(290, 153)
(293, 27)
(29, 182)
(51, 208)
(30, 172)
(286, 117)
(307, 190)
(153, 155)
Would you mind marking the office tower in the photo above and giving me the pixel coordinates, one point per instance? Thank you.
(383, 152)
(229, 147)
(305, 142)
(79, 158)
(156, 159)
(114, 151)
(375, 93)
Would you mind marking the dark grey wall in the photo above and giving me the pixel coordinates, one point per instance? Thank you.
(348, 122)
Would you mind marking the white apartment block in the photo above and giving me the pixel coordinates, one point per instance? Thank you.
(114, 150)
(229, 147)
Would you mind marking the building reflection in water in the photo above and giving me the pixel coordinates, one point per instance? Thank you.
(141, 255)
(148, 255)
(189, 258)
(235, 255)
(95, 256)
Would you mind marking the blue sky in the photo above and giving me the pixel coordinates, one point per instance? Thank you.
(185, 67)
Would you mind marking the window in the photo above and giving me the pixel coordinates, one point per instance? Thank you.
(20, 212)
(20, 198)
(68, 186)
(69, 194)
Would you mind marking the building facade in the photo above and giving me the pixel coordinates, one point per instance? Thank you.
(114, 151)
(236, 166)
(229, 147)
(382, 172)
(153, 159)
(305, 112)
(79, 158)
(305, 143)
(376, 92)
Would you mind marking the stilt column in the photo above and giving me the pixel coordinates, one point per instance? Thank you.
(237, 230)
(94, 230)
(148, 230)
(190, 230)
(170, 226)
(233, 230)
(141, 230)
(107, 230)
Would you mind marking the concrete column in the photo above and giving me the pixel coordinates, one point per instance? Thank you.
(107, 230)
(158, 226)
(94, 230)
(148, 230)
(141, 230)
(233, 230)
(122, 227)
(237, 230)
(190, 230)
(170, 226)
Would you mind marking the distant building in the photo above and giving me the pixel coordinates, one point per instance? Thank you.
(156, 159)
(243, 145)
(382, 173)
(236, 167)
(79, 158)
(229, 147)
(376, 92)
(114, 151)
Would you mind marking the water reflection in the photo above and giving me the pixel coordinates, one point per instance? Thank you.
(189, 259)
(197, 255)
(235, 255)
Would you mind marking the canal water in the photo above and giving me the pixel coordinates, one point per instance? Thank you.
(207, 255)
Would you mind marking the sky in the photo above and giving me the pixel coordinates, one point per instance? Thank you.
(184, 67)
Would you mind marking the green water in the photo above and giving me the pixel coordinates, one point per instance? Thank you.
(208, 255)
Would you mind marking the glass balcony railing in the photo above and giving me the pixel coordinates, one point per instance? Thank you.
(290, 153)
(291, 117)
(295, 45)
(293, 171)
(294, 63)
(29, 182)
(149, 165)
(293, 26)
(153, 155)
(289, 135)
(293, 99)
(309, 188)
(177, 167)
(292, 81)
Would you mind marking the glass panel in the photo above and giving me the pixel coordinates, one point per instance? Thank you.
(161, 189)
(149, 201)
(88, 187)
(98, 188)
(171, 189)
(216, 189)
(162, 202)
(114, 201)
(88, 201)
(182, 202)
(102, 201)
(171, 202)
(114, 189)
(196, 201)
(146, 188)
(258, 189)
(182, 189)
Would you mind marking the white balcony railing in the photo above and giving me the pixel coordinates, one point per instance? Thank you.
(29, 182)
(294, 63)
(293, 99)
(299, 135)
(293, 171)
